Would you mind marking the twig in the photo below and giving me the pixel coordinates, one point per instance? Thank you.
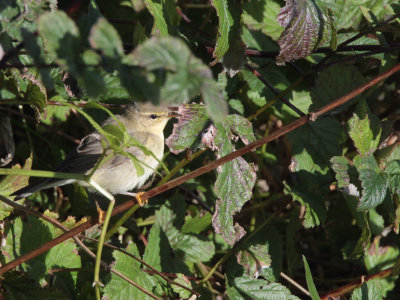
(202, 170)
(294, 283)
(275, 91)
(327, 50)
(353, 285)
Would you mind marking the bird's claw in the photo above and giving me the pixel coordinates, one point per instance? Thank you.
(140, 200)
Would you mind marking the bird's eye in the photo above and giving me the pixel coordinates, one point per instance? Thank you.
(153, 116)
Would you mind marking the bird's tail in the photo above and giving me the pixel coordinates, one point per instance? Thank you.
(35, 187)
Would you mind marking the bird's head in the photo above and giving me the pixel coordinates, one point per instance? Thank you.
(148, 117)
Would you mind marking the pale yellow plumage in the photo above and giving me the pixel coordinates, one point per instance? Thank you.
(117, 174)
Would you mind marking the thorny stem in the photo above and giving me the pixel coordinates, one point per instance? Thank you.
(351, 286)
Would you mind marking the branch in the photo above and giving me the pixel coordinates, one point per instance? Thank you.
(335, 294)
(202, 170)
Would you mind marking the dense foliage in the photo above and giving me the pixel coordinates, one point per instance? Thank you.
(313, 212)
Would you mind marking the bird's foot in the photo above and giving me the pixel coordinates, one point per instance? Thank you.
(142, 202)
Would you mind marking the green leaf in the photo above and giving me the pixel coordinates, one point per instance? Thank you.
(310, 281)
(261, 255)
(302, 21)
(196, 224)
(341, 165)
(118, 288)
(379, 257)
(158, 11)
(241, 126)
(61, 37)
(62, 255)
(258, 92)
(234, 184)
(236, 105)
(393, 172)
(152, 252)
(334, 82)
(364, 241)
(104, 38)
(190, 76)
(254, 259)
(135, 81)
(216, 105)
(19, 286)
(226, 22)
(373, 182)
(369, 290)
(261, 15)
(12, 183)
(312, 198)
(183, 293)
(35, 94)
(364, 130)
(229, 46)
(189, 247)
(350, 17)
(262, 289)
(322, 139)
(188, 131)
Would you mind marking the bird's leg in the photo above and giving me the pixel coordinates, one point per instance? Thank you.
(137, 196)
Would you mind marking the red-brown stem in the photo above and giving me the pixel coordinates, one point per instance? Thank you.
(353, 285)
(175, 182)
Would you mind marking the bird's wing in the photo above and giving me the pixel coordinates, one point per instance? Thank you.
(80, 161)
(85, 156)
(118, 160)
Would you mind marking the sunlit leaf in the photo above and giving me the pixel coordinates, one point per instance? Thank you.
(234, 184)
(374, 183)
(187, 133)
(261, 15)
(262, 289)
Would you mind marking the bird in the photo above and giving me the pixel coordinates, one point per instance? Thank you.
(117, 174)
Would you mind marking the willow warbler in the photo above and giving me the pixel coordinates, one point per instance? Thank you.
(118, 174)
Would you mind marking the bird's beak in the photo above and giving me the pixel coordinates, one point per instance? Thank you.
(172, 114)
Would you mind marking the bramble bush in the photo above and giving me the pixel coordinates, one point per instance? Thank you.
(291, 108)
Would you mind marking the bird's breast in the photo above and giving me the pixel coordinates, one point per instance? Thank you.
(120, 174)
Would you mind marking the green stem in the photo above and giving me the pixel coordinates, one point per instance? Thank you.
(121, 221)
(39, 173)
(100, 245)
(179, 166)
